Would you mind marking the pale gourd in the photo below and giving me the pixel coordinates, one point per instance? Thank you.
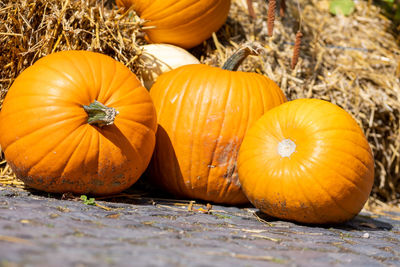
(159, 58)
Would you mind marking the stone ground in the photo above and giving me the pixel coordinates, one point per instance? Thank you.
(45, 230)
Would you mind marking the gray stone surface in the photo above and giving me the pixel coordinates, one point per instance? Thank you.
(41, 230)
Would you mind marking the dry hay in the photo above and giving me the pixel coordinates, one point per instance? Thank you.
(30, 30)
(350, 61)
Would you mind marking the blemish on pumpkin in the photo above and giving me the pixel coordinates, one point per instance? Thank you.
(66, 181)
(226, 151)
(232, 174)
(97, 182)
(118, 176)
(227, 158)
(28, 180)
(283, 207)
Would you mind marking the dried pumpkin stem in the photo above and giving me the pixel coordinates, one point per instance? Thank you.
(100, 114)
(237, 58)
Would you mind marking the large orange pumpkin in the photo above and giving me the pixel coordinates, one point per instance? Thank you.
(80, 122)
(308, 161)
(203, 113)
(185, 23)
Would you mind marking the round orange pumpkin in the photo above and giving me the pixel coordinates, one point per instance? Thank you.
(185, 23)
(203, 113)
(307, 161)
(79, 122)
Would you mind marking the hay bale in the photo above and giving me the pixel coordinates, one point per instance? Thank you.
(351, 61)
(30, 30)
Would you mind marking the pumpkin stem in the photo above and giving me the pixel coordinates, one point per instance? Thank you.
(237, 58)
(100, 114)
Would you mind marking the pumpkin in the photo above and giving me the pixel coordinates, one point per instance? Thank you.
(307, 161)
(79, 122)
(185, 23)
(203, 113)
(159, 58)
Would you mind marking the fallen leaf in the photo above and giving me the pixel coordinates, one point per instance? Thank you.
(113, 216)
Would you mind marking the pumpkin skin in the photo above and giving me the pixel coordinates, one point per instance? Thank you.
(203, 113)
(45, 135)
(184, 23)
(324, 174)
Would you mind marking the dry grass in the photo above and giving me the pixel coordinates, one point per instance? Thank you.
(351, 61)
(30, 30)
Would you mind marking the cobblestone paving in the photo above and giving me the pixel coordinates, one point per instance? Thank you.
(37, 230)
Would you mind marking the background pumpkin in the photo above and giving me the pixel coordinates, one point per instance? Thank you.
(159, 58)
(45, 133)
(185, 23)
(203, 114)
(308, 161)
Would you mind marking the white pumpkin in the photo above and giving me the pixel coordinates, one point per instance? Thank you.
(159, 58)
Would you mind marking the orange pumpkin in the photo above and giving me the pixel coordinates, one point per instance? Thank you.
(79, 122)
(203, 113)
(307, 161)
(185, 23)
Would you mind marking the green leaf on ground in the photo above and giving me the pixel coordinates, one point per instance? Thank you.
(345, 7)
(88, 201)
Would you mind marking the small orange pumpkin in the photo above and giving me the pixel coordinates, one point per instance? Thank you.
(185, 23)
(79, 122)
(307, 161)
(203, 114)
